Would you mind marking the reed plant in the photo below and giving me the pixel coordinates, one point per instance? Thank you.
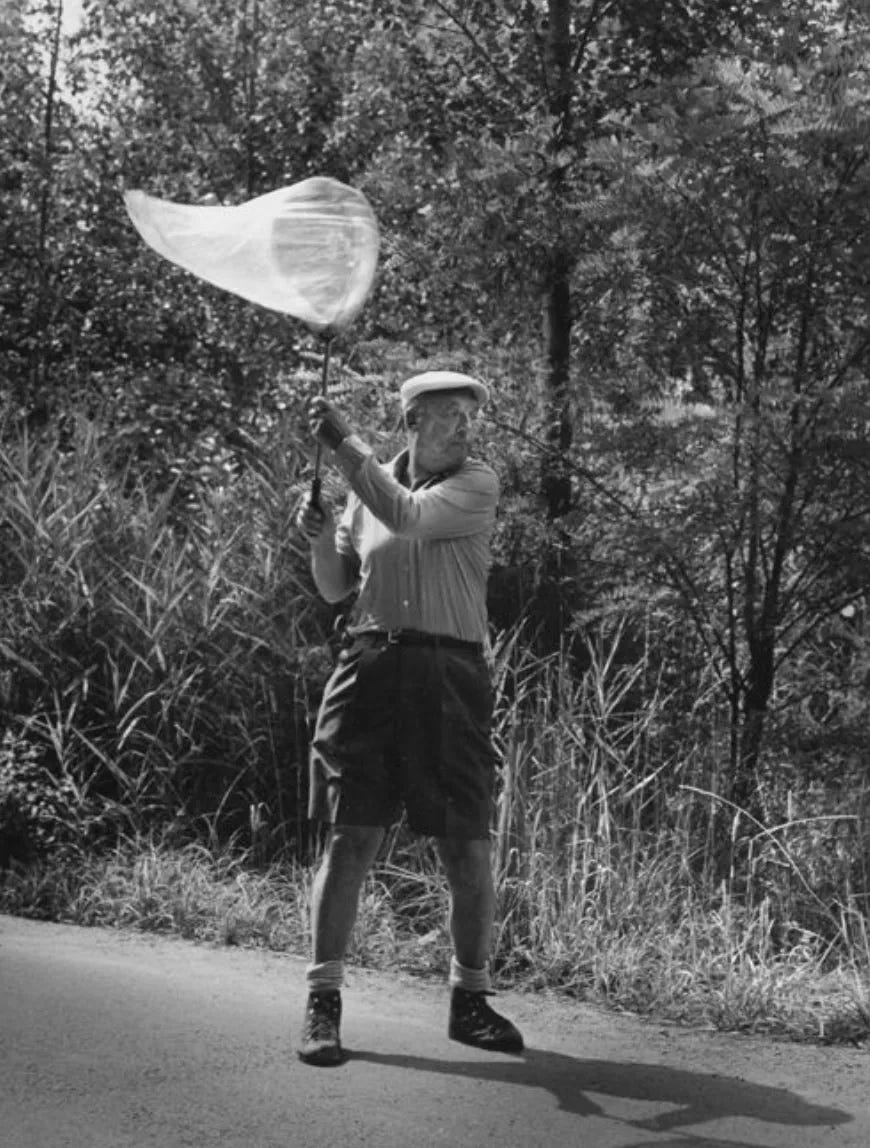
(159, 666)
(157, 663)
(607, 855)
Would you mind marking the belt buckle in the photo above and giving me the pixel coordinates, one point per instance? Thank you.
(394, 637)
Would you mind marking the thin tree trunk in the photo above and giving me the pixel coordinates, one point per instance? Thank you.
(555, 479)
(250, 31)
(745, 788)
(36, 375)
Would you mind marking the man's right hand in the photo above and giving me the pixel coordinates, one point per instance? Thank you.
(312, 517)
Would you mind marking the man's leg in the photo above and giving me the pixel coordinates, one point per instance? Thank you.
(472, 910)
(349, 855)
(472, 899)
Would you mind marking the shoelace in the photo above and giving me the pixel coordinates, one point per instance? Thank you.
(482, 1017)
(322, 1018)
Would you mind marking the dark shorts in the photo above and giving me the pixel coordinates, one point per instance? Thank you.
(405, 727)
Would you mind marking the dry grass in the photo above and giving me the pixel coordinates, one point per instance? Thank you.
(188, 891)
(678, 961)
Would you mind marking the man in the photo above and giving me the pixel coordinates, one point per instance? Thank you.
(405, 718)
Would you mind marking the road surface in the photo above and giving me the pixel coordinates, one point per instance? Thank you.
(117, 1040)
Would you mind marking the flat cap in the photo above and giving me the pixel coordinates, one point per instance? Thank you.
(441, 381)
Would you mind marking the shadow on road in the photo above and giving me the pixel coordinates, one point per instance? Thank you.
(693, 1097)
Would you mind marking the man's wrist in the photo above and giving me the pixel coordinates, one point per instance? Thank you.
(333, 436)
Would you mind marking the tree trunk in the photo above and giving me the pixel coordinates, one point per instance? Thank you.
(744, 787)
(555, 478)
(39, 341)
(250, 33)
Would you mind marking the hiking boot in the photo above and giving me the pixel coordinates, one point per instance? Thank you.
(472, 1021)
(320, 1043)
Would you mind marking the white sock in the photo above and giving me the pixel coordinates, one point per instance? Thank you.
(326, 976)
(472, 980)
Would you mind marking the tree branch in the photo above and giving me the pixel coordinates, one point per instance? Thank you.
(479, 48)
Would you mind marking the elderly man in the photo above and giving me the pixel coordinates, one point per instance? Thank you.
(405, 718)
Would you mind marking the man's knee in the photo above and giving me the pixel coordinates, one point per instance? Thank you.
(466, 863)
(353, 847)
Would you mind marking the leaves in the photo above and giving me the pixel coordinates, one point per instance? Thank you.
(693, 188)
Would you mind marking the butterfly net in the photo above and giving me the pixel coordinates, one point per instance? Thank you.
(309, 250)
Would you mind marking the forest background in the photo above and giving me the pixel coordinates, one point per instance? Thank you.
(646, 227)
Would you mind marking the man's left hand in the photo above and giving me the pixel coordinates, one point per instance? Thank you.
(328, 424)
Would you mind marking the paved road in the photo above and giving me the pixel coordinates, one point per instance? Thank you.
(112, 1040)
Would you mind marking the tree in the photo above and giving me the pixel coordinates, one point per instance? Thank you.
(749, 188)
(483, 165)
(36, 143)
(185, 100)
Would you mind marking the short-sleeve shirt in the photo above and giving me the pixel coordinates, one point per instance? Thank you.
(423, 553)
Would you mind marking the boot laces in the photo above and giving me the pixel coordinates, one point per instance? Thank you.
(322, 1017)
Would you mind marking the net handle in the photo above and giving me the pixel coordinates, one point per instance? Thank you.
(316, 483)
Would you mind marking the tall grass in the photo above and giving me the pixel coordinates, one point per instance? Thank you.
(607, 850)
(157, 665)
(157, 670)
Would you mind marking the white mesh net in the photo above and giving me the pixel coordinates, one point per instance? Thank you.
(309, 250)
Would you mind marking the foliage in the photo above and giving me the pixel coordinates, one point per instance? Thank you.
(742, 288)
(680, 189)
(603, 873)
(40, 814)
(165, 673)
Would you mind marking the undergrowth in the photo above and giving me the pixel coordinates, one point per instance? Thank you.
(156, 682)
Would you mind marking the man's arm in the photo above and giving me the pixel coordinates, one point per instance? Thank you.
(334, 573)
(460, 505)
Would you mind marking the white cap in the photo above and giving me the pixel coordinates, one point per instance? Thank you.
(441, 381)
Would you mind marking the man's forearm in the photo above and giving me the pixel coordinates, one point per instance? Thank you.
(455, 508)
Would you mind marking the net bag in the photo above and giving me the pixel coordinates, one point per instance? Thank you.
(309, 250)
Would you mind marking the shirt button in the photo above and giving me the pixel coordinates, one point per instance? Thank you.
(405, 603)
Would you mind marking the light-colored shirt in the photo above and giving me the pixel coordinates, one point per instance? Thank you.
(424, 553)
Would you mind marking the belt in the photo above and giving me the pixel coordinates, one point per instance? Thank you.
(417, 638)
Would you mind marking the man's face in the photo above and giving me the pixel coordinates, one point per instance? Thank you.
(444, 431)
